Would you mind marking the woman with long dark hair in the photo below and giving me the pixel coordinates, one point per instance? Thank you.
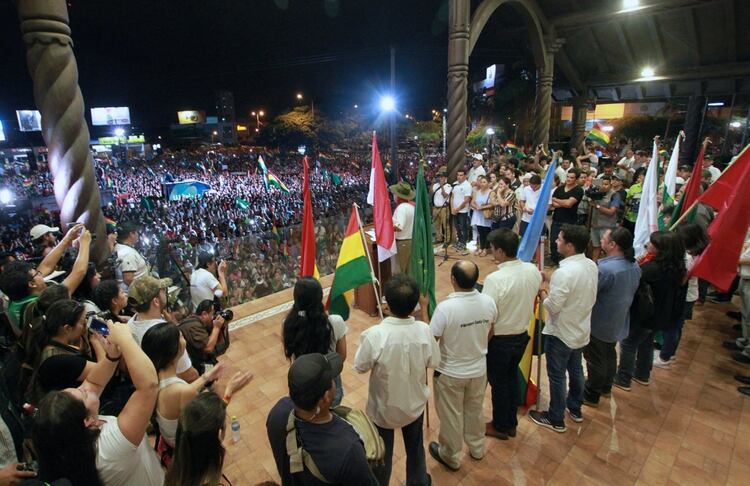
(504, 201)
(663, 269)
(199, 453)
(74, 442)
(111, 300)
(696, 239)
(164, 345)
(308, 328)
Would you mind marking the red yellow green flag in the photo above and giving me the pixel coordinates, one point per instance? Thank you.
(352, 270)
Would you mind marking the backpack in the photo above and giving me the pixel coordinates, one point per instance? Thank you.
(299, 458)
(643, 308)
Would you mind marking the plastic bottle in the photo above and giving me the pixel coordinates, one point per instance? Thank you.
(235, 429)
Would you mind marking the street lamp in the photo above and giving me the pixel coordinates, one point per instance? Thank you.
(299, 96)
(387, 104)
(647, 72)
(491, 142)
(213, 135)
(257, 114)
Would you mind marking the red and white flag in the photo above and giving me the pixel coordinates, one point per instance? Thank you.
(377, 197)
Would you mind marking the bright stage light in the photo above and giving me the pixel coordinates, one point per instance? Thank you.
(630, 5)
(387, 103)
(490, 131)
(5, 196)
(647, 72)
(119, 132)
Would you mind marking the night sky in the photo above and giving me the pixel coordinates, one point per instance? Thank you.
(162, 56)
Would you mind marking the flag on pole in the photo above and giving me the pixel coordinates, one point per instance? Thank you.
(377, 197)
(511, 147)
(718, 262)
(530, 240)
(669, 185)
(598, 135)
(308, 267)
(263, 171)
(527, 389)
(647, 221)
(352, 270)
(242, 203)
(422, 265)
(276, 182)
(693, 188)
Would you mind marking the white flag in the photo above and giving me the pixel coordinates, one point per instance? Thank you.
(670, 176)
(648, 220)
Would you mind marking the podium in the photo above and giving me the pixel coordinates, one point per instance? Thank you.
(364, 295)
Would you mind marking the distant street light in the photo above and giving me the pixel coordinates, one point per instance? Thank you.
(356, 106)
(490, 131)
(387, 104)
(299, 96)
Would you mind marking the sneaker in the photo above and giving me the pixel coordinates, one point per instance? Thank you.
(542, 418)
(576, 417)
(745, 390)
(641, 382)
(591, 404)
(621, 386)
(741, 357)
(660, 363)
(742, 379)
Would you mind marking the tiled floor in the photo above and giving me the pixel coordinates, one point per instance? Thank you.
(690, 426)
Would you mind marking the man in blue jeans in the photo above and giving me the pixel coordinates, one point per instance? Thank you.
(568, 298)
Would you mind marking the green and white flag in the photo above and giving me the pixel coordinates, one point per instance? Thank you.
(668, 187)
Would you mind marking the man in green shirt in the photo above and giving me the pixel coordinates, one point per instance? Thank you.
(633, 200)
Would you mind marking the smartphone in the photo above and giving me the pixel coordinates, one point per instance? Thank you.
(99, 326)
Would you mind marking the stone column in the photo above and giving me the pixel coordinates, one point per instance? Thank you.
(580, 107)
(458, 74)
(52, 65)
(543, 101)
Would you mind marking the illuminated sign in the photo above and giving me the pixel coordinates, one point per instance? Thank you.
(2, 133)
(189, 117)
(29, 120)
(241, 128)
(112, 115)
(119, 140)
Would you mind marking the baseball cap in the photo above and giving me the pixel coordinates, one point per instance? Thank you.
(127, 227)
(311, 375)
(42, 229)
(146, 287)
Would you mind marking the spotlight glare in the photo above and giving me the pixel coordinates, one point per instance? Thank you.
(387, 103)
(5, 196)
(647, 72)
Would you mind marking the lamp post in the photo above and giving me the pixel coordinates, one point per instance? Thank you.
(257, 114)
(300, 97)
(491, 142)
(388, 107)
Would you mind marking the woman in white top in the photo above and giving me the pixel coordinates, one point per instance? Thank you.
(308, 328)
(164, 345)
(480, 202)
(73, 442)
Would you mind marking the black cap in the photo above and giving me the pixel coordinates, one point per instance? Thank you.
(127, 227)
(310, 376)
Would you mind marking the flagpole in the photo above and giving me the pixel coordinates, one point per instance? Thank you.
(695, 203)
(538, 337)
(375, 281)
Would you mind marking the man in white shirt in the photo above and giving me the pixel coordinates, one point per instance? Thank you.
(403, 223)
(441, 192)
(461, 324)
(708, 164)
(513, 288)
(148, 296)
(477, 169)
(568, 299)
(625, 168)
(203, 284)
(529, 200)
(130, 263)
(397, 353)
(461, 198)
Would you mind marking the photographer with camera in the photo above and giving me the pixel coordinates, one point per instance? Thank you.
(203, 284)
(206, 334)
(604, 205)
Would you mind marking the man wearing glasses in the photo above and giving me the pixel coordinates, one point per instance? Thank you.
(23, 283)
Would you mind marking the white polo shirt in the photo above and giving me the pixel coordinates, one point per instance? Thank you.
(530, 198)
(513, 287)
(572, 293)
(202, 285)
(403, 217)
(463, 321)
(397, 352)
(129, 261)
(438, 200)
(474, 174)
(460, 191)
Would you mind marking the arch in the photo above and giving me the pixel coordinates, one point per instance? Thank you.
(534, 20)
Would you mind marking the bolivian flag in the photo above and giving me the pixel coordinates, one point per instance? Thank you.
(598, 135)
(511, 147)
(352, 270)
(276, 182)
(527, 388)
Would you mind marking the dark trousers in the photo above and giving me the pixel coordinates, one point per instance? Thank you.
(416, 466)
(601, 364)
(673, 333)
(508, 223)
(636, 355)
(561, 360)
(503, 355)
(483, 232)
(554, 231)
(522, 227)
(461, 220)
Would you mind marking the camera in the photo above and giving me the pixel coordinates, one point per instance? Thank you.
(594, 193)
(227, 314)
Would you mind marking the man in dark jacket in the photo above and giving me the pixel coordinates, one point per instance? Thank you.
(206, 335)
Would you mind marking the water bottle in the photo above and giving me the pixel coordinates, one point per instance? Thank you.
(235, 429)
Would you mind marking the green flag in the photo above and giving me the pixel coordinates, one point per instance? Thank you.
(335, 179)
(422, 265)
(242, 203)
(147, 203)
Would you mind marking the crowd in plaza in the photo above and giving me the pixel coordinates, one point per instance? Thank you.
(102, 360)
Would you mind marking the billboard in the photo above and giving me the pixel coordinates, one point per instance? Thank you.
(2, 133)
(29, 120)
(189, 117)
(113, 115)
(120, 140)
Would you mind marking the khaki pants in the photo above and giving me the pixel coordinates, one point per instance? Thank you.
(459, 406)
(403, 257)
(440, 223)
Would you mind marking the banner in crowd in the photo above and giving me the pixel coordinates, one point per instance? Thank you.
(187, 188)
(647, 221)
(422, 264)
